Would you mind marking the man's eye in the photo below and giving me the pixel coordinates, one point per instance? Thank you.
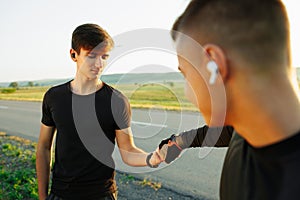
(179, 68)
(105, 57)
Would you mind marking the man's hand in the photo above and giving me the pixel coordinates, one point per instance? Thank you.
(153, 159)
(169, 150)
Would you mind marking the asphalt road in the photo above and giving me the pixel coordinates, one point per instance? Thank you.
(196, 173)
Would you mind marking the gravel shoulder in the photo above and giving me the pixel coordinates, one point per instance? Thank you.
(137, 189)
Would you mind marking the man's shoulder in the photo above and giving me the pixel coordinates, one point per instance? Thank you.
(58, 89)
(115, 91)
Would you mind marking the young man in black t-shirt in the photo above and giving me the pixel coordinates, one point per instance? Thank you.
(235, 57)
(88, 116)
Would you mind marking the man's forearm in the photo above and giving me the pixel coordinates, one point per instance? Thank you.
(134, 157)
(138, 158)
(205, 137)
(170, 148)
(43, 159)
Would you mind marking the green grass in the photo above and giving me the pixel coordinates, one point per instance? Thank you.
(17, 169)
(159, 96)
(25, 94)
(169, 96)
(8, 90)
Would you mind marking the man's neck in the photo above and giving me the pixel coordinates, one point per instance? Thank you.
(84, 86)
(266, 115)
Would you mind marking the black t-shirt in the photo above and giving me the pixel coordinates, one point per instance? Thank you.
(271, 172)
(85, 139)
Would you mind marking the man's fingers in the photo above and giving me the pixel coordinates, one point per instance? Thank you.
(155, 158)
(158, 155)
(173, 152)
(169, 150)
(163, 142)
(163, 151)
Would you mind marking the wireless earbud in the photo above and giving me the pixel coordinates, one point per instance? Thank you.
(213, 69)
(73, 55)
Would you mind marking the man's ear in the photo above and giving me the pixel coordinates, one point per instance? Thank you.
(217, 55)
(73, 55)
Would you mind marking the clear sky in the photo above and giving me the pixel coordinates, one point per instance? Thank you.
(35, 34)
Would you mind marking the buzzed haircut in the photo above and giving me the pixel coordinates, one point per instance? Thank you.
(90, 36)
(258, 30)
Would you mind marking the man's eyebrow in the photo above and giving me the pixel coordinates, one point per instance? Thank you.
(90, 52)
(95, 53)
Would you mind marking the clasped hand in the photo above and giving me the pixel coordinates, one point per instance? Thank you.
(168, 149)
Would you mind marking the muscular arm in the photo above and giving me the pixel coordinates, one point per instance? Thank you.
(170, 148)
(210, 137)
(132, 155)
(43, 159)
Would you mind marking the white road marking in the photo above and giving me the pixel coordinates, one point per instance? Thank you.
(3, 107)
(149, 124)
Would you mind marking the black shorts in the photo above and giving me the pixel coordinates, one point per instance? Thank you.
(112, 196)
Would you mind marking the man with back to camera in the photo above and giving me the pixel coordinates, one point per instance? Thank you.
(68, 109)
(243, 74)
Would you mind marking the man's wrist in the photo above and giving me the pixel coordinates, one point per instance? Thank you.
(148, 161)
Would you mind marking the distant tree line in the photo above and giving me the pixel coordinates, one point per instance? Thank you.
(13, 85)
(16, 84)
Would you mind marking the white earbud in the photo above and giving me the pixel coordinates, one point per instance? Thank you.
(213, 69)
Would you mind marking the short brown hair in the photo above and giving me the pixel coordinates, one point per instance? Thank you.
(89, 36)
(257, 29)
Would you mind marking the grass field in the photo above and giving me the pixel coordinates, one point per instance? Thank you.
(25, 94)
(160, 96)
(17, 169)
(169, 96)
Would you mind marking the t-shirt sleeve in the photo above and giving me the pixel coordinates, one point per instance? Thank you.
(46, 111)
(121, 110)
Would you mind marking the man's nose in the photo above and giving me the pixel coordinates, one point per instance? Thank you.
(99, 62)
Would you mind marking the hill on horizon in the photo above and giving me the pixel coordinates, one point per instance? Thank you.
(129, 78)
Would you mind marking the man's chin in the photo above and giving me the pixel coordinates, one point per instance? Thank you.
(94, 77)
